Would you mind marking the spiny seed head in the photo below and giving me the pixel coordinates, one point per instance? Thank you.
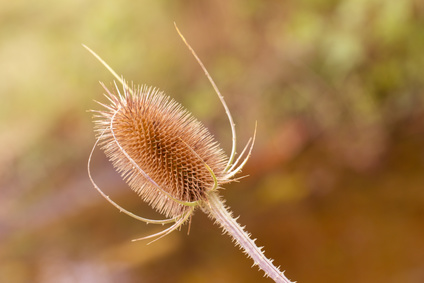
(166, 142)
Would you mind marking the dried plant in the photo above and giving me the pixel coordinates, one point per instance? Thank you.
(171, 160)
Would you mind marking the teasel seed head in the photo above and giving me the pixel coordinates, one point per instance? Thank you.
(166, 141)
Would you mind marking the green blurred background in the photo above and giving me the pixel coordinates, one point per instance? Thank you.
(335, 190)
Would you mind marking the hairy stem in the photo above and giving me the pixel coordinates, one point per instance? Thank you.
(217, 210)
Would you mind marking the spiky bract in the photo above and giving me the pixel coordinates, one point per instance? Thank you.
(171, 152)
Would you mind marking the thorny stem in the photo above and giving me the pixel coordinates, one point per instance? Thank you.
(217, 210)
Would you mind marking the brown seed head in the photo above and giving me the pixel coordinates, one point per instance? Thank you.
(152, 133)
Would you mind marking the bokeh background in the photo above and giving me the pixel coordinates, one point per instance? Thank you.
(335, 190)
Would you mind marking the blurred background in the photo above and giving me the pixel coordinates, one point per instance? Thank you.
(335, 190)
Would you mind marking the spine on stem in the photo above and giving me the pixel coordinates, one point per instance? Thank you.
(219, 212)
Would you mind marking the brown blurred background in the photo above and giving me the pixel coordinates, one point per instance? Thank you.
(335, 190)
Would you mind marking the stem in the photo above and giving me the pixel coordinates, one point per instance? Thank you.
(217, 210)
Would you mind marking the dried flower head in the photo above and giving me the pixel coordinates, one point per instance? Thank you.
(166, 142)
(171, 160)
